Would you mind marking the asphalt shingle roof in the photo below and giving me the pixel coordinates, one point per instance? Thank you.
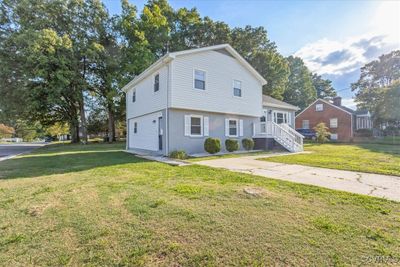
(270, 100)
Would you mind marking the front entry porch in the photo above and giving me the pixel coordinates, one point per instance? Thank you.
(282, 133)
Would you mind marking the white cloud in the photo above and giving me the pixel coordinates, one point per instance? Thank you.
(349, 102)
(337, 57)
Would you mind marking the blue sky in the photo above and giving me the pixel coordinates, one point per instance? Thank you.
(334, 38)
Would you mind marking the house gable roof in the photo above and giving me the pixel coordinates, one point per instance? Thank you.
(272, 102)
(341, 108)
(170, 56)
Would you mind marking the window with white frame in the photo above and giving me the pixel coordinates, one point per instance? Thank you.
(199, 79)
(319, 107)
(281, 117)
(334, 136)
(156, 82)
(134, 95)
(333, 123)
(195, 125)
(305, 124)
(233, 127)
(135, 127)
(237, 88)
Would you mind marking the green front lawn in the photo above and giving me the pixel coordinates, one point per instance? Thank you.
(373, 158)
(96, 205)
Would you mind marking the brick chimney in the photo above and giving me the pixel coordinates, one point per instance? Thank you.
(337, 101)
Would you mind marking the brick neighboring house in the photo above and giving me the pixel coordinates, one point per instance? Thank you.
(341, 121)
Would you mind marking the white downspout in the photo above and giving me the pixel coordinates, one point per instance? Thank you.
(127, 122)
(166, 112)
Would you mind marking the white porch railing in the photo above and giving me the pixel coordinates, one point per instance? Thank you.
(282, 133)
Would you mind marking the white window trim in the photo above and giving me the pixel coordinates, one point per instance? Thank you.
(237, 128)
(233, 89)
(330, 123)
(302, 124)
(154, 82)
(284, 113)
(201, 126)
(205, 79)
(319, 104)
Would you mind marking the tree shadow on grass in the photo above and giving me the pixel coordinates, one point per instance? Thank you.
(393, 150)
(42, 164)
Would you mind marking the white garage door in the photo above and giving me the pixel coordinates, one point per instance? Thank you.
(146, 135)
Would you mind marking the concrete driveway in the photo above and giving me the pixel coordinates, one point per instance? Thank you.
(376, 185)
(8, 151)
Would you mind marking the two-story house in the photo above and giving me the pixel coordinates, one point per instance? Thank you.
(190, 95)
(341, 121)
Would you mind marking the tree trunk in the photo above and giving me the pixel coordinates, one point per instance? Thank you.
(74, 130)
(83, 119)
(111, 124)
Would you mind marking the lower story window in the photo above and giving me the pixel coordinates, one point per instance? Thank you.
(334, 136)
(305, 124)
(135, 127)
(195, 126)
(233, 127)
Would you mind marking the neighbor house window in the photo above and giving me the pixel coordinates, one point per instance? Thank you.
(333, 123)
(200, 79)
(237, 88)
(195, 125)
(134, 95)
(157, 83)
(305, 124)
(135, 127)
(319, 107)
(334, 136)
(233, 127)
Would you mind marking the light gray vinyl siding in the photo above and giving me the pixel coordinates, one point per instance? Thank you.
(289, 111)
(148, 101)
(218, 96)
(216, 129)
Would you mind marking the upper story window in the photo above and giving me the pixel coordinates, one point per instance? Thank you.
(237, 88)
(134, 95)
(233, 127)
(333, 123)
(319, 107)
(156, 82)
(199, 79)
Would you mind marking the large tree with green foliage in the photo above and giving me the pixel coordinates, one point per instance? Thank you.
(324, 87)
(375, 79)
(300, 90)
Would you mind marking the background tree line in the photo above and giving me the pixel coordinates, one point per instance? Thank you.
(64, 62)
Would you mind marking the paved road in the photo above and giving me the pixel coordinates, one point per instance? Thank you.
(385, 186)
(10, 150)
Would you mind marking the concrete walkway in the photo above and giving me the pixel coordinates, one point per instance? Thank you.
(376, 185)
